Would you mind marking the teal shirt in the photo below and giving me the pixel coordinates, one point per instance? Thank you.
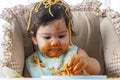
(49, 66)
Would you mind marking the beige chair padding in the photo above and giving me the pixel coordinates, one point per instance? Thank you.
(11, 45)
(16, 43)
(110, 31)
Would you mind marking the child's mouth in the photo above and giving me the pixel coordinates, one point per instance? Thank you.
(55, 49)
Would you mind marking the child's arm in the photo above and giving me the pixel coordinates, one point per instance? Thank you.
(82, 61)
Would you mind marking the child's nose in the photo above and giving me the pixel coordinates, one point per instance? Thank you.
(55, 42)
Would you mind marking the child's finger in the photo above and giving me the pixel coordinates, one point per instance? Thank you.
(77, 70)
(70, 63)
(76, 60)
(78, 66)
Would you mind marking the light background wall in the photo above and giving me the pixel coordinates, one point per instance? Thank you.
(113, 4)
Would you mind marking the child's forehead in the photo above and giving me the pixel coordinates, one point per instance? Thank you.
(56, 26)
(59, 23)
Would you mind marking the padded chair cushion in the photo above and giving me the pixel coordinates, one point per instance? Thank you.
(110, 30)
(11, 45)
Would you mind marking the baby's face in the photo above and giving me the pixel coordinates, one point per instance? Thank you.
(53, 38)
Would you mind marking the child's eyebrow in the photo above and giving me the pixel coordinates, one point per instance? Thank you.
(63, 31)
(46, 33)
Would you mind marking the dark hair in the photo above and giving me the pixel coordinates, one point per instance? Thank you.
(43, 16)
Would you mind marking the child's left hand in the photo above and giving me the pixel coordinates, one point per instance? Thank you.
(77, 64)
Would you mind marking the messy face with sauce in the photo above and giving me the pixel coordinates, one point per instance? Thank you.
(53, 38)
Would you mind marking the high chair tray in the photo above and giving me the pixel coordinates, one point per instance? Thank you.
(61, 78)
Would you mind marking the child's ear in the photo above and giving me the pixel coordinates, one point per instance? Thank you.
(34, 40)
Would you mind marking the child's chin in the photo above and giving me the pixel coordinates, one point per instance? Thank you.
(55, 55)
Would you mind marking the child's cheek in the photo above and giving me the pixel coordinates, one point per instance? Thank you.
(44, 48)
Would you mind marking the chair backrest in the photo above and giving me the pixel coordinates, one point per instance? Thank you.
(86, 26)
(110, 31)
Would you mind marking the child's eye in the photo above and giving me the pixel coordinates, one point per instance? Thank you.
(61, 36)
(47, 37)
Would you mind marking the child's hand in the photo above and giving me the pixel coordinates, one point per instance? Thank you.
(76, 64)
